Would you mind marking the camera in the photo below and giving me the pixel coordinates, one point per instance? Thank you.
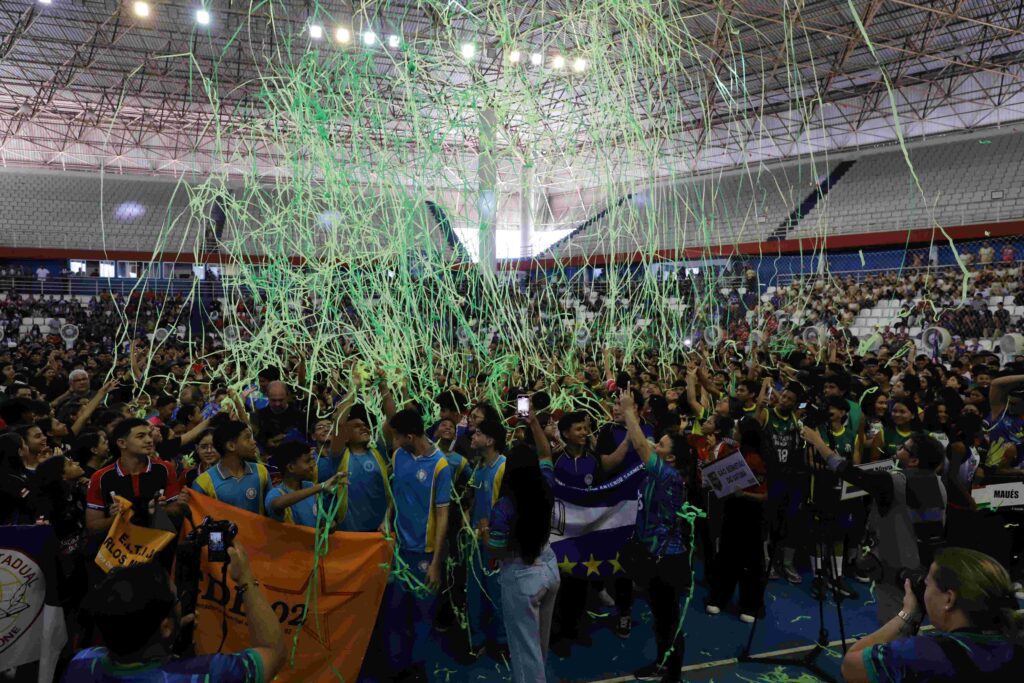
(916, 577)
(814, 414)
(216, 535)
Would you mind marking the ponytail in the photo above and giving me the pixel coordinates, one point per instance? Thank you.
(983, 591)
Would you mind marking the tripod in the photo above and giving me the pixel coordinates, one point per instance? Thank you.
(827, 573)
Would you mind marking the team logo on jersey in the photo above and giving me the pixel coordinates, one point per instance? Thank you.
(421, 475)
(368, 466)
(250, 493)
(589, 479)
(424, 565)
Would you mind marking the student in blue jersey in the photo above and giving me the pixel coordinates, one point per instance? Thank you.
(237, 479)
(422, 491)
(364, 502)
(483, 591)
(453, 591)
(297, 500)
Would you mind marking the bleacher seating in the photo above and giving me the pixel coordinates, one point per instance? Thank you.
(958, 180)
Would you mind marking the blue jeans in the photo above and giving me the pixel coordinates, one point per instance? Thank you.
(528, 603)
(483, 601)
(408, 617)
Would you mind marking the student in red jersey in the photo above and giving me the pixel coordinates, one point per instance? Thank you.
(138, 476)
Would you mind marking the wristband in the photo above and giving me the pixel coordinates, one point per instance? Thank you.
(244, 588)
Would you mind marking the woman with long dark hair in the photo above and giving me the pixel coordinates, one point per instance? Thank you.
(517, 534)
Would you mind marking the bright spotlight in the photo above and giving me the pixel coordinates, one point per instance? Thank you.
(202, 17)
(394, 41)
(45, 2)
(342, 34)
(468, 50)
(369, 38)
(579, 65)
(536, 59)
(558, 62)
(514, 56)
(141, 9)
(316, 31)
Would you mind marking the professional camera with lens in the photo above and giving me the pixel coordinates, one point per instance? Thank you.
(815, 413)
(917, 577)
(216, 535)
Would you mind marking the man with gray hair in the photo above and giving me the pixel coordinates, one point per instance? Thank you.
(78, 388)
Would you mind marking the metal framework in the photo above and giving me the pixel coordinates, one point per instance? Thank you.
(86, 85)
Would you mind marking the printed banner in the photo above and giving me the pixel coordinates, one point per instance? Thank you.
(850, 491)
(127, 544)
(589, 526)
(333, 629)
(31, 622)
(728, 475)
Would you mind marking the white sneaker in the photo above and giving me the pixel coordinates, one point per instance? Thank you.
(1018, 591)
(711, 609)
(747, 618)
(606, 600)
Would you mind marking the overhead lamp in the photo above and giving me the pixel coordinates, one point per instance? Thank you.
(202, 17)
(514, 56)
(342, 34)
(558, 62)
(140, 8)
(394, 41)
(579, 64)
(369, 38)
(536, 59)
(45, 2)
(316, 31)
(468, 50)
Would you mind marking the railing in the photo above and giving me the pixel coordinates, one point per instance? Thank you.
(92, 286)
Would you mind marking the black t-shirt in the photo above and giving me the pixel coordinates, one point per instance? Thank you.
(269, 424)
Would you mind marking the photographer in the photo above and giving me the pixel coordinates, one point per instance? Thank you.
(978, 627)
(908, 511)
(139, 616)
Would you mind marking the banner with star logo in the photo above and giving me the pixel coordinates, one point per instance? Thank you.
(590, 525)
(329, 625)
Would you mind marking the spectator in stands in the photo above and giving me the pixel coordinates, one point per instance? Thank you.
(1008, 254)
(142, 597)
(42, 272)
(986, 254)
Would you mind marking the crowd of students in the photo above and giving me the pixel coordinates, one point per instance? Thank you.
(465, 485)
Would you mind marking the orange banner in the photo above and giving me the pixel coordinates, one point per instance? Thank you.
(127, 544)
(334, 631)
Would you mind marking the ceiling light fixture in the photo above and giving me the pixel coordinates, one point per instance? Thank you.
(394, 41)
(342, 34)
(316, 31)
(514, 56)
(202, 17)
(579, 64)
(141, 9)
(558, 62)
(536, 59)
(468, 50)
(369, 38)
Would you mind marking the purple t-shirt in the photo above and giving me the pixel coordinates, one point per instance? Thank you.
(93, 664)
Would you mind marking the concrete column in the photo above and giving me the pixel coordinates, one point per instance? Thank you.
(487, 202)
(526, 207)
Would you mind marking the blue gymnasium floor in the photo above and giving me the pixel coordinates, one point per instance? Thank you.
(791, 621)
